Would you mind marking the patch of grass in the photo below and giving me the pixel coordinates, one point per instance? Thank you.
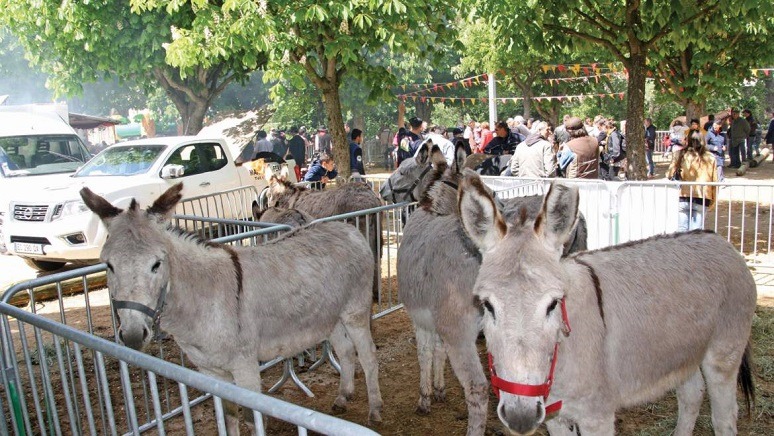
(49, 353)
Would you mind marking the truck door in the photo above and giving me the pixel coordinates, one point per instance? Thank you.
(206, 171)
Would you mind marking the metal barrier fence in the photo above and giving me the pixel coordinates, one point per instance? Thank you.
(84, 384)
(46, 368)
(618, 212)
(40, 394)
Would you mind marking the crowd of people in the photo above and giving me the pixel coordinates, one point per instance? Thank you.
(313, 155)
(531, 148)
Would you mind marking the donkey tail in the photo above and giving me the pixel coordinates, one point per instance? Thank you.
(745, 380)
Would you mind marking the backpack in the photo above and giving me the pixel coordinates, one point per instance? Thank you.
(408, 147)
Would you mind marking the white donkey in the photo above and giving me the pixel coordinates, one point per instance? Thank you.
(230, 307)
(647, 317)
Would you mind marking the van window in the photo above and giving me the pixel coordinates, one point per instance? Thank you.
(41, 154)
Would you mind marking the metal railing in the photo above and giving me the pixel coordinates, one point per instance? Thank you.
(59, 380)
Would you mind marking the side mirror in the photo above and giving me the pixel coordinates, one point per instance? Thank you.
(172, 171)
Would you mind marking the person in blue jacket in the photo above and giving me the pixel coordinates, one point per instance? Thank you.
(356, 153)
(716, 144)
(321, 171)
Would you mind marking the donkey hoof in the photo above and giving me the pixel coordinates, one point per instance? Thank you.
(339, 407)
(422, 410)
(374, 418)
(439, 395)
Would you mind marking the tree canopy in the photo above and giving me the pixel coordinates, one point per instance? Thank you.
(79, 42)
(322, 42)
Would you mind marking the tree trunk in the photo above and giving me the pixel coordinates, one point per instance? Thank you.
(526, 105)
(635, 117)
(694, 109)
(332, 101)
(424, 110)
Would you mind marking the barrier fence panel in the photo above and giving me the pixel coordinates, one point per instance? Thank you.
(618, 212)
(59, 380)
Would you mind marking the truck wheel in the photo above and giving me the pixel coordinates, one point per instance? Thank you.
(44, 265)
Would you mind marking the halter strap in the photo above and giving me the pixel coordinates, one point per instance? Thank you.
(154, 314)
(527, 390)
(410, 189)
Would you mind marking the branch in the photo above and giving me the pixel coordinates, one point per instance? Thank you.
(174, 84)
(226, 80)
(595, 23)
(666, 29)
(590, 38)
(600, 17)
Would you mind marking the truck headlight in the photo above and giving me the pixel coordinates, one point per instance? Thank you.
(72, 207)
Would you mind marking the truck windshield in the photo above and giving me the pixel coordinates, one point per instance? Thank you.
(122, 161)
(37, 155)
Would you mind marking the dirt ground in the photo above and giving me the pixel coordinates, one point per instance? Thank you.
(399, 373)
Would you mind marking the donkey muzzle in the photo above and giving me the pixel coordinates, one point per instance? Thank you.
(520, 418)
(135, 338)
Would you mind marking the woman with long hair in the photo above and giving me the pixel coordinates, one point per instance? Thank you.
(694, 163)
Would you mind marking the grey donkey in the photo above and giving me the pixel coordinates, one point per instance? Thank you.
(437, 267)
(280, 215)
(581, 339)
(349, 197)
(228, 308)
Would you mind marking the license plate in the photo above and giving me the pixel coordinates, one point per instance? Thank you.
(26, 248)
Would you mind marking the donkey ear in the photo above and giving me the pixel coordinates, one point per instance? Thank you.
(436, 157)
(478, 212)
(104, 210)
(165, 205)
(558, 216)
(459, 158)
(424, 153)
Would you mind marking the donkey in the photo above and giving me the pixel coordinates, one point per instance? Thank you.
(677, 307)
(349, 197)
(280, 215)
(159, 274)
(437, 267)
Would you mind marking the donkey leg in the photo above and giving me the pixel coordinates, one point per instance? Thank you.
(689, 396)
(231, 410)
(463, 356)
(425, 343)
(359, 330)
(248, 375)
(439, 365)
(345, 351)
(720, 374)
(597, 424)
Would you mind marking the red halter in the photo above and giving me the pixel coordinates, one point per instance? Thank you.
(541, 390)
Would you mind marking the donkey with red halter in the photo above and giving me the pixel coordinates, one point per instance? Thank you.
(674, 313)
(437, 267)
(231, 307)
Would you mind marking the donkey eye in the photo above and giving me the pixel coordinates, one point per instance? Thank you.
(156, 266)
(551, 307)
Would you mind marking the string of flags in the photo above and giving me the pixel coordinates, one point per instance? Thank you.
(482, 80)
(765, 71)
(484, 100)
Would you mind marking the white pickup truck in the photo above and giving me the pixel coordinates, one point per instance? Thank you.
(49, 225)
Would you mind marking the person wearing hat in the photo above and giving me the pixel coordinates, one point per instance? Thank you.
(737, 135)
(297, 147)
(579, 157)
(323, 141)
(716, 144)
(458, 138)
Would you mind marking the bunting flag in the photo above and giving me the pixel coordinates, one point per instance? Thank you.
(539, 98)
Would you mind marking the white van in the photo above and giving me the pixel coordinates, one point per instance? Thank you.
(37, 146)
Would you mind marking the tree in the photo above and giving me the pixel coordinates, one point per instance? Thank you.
(322, 42)
(692, 70)
(628, 29)
(80, 42)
